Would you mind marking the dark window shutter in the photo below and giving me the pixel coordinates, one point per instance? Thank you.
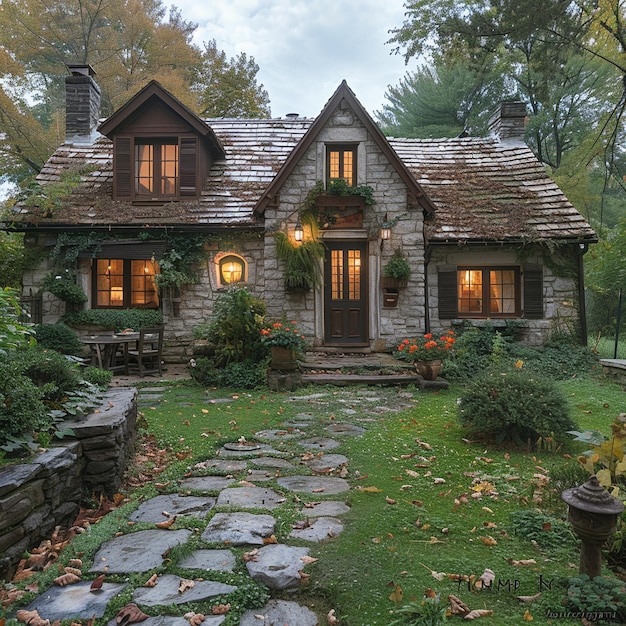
(188, 166)
(533, 292)
(122, 187)
(447, 294)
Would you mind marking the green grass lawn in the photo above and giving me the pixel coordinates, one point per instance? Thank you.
(429, 510)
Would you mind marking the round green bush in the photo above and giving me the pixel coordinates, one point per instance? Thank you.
(53, 373)
(59, 337)
(515, 407)
(97, 376)
(21, 407)
(245, 375)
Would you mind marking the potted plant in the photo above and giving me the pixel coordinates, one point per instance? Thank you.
(285, 342)
(396, 272)
(302, 262)
(426, 352)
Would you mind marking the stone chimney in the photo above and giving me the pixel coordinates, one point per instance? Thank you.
(82, 104)
(509, 121)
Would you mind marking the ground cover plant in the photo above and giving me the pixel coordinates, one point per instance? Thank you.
(433, 512)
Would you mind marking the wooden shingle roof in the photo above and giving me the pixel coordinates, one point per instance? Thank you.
(473, 189)
(485, 190)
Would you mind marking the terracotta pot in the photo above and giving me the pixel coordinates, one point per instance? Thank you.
(428, 370)
(283, 359)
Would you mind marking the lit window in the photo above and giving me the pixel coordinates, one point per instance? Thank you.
(342, 164)
(126, 283)
(488, 292)
(156, 169)
(232, 269)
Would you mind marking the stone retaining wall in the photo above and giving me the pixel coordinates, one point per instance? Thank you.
(37, 496)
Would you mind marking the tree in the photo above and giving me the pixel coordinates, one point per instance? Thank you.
(128, 42)
(228, 87)
(439, 101)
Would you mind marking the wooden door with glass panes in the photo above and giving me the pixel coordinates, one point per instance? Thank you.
(345, 293)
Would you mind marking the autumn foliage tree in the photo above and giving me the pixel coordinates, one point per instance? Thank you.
(128, 42)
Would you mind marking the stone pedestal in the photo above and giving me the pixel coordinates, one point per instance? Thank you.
(283, 380)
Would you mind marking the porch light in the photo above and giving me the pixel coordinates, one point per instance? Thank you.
(231, 270)
(385, 229)
(298, 232)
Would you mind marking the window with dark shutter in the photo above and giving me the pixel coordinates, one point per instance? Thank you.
(122, 165)
(188, 166)
(533, 292)
(447, 293)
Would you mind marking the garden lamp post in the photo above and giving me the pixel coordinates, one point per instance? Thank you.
(593, 514)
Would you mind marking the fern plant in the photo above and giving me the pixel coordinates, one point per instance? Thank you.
(302, 262)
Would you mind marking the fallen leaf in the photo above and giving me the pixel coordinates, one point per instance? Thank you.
(397, 594)
(412, 473)
(167, 523)
(152, 581)
(185, 584)
(371, 489)
(130, 614)
(489, 540)
(457, 606)
(306, 559)
(220, 609)
(66, 579)
(96, 585)
(330, 618)
(485, 579)
(390, 500)
(527, 616)
(269, 540)
(32, 618)
(478, 613)
(522, 562)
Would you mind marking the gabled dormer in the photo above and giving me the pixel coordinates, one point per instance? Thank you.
(162, 151)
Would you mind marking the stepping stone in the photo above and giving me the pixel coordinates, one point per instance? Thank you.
(206, 483)
(74, 601)
(250, 498)
(345, 429)
(169, 620)
(152, 510)
(268, 461)
(239, 528)
(319, 443)
(277, 566)
(225, 466)
(279, 434)
(264, 449)
(327, 462)
(137, 552)
(258, 476)
(279, 612)
(313, 484)
(209, 560)
(322, 528)
(166, 591)
(326, 508)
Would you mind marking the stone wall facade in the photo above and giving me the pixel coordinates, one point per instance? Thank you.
(46, 492)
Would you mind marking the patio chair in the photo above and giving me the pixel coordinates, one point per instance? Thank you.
(148, 352)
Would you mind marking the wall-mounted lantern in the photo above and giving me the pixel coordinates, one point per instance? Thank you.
(593, 514)
(298, 233)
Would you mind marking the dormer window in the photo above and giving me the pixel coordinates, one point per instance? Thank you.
(156, 168)
(341, 161)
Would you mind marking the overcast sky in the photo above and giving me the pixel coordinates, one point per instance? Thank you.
(305, 48)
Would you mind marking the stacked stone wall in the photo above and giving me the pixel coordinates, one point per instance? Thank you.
(46, 492)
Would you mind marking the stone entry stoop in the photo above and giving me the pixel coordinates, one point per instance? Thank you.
(248, 521)
(361, 368)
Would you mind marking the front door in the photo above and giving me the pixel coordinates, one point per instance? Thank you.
(345, 293)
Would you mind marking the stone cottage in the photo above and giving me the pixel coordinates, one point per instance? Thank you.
(486, 233)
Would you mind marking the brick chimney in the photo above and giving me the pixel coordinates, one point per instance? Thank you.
(509, 121)
(82, 104)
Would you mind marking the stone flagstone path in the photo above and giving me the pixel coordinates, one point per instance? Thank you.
(248, 521)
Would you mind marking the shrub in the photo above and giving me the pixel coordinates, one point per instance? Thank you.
(21, 407)
(594, 597)
(546, 530)
(63, 285)
(116, 319)
(514, 406)
(97, 376)
(50, 371)
(244, 375)
(59, 337)
(235, 328)
(13, 334)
